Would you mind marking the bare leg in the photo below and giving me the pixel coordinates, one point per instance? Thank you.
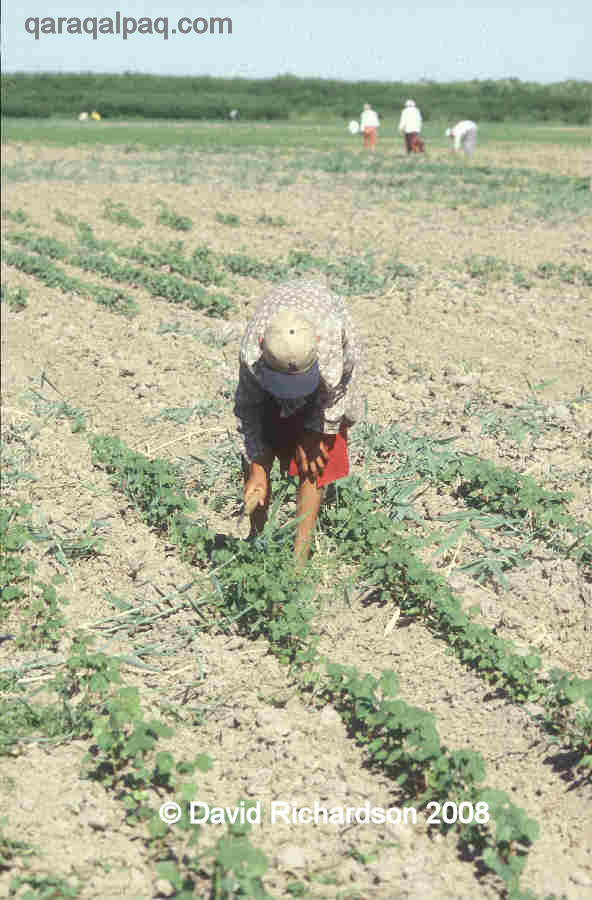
(308, 503)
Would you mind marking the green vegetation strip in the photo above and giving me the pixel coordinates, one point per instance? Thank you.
(55, 277)
(94, 704)
(348, 275)
(169, 287)
(517, 499)
(138, 96)
(485, 268)
(261, 592)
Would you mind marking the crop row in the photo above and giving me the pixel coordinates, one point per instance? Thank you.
(92, 703)
(55, 277)
(518, 500)
(259, 591)
(484, 268)
(169, 287)
(387, 561)
(348, 275)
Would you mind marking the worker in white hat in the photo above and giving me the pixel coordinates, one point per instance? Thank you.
(296, 397)
(369, 122)
(464, 135)
(410, 124)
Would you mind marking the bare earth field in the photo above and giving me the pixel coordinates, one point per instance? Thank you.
(471, 288)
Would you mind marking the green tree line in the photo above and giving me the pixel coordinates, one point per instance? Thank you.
(132, 95)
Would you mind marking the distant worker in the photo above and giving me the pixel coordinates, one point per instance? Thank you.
(369, 122)
(410, 125)
(464, 135)
(234, 115)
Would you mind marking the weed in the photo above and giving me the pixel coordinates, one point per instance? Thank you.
(568, 274)
(275, 221)
(356, 276)
(16, 215)
(58, 409)
(15, 299)
(227, 219)
(529, 418)
(178, 415)
(14, 574)
(395, 269)
(11, 849)
(17, 451)
(115, 211)
(37, 602)
(486, 268)
(45, 887)
(173, 220)
(170, 328)
(65, 218)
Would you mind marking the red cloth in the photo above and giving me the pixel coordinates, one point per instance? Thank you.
(338, 464)
(413, 142)
(281, 435)
(369, 136)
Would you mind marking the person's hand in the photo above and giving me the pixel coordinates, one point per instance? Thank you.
(257, 485)
(312, 453)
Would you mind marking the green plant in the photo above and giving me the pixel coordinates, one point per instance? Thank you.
(37, 602)
(275, 221)
(403, 741)
(172, 219)
(238, 866)
(59, 409)
(53, 276)
(45, 887)
(15, 299)
(10, 848)
(227, 219)
(255, 591)
(16, 215)
(116, 211)
(14, 534)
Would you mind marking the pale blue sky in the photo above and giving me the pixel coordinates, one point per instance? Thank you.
(439, 41)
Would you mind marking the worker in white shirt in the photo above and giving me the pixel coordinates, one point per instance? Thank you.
(464, 135)
(368, 124)
(410, 125)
